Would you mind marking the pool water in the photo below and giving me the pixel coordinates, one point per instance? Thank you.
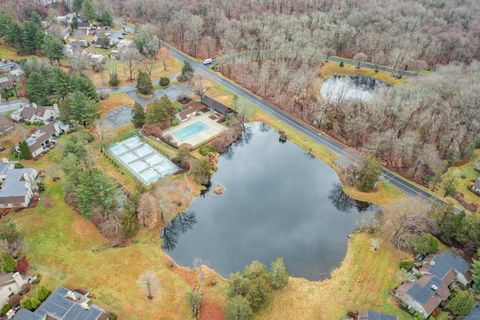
(190, 130)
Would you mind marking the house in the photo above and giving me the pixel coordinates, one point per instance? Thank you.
(372, 315)
(6, 126)
(96, 58)
(7, 66)
(190, 110)
(79, 43)
(216, 105)
(10, 283)
(476, 186)
(439, 271)
(6, 84)
(474, 314)
(83, 29)
(15, 74)
(35, 113)
(44, 139)
(123, 44)
(67, 19)
(47, 2)
(18, 186)
(64, 304)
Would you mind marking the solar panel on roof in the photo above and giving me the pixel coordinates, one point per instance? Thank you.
(421, 294)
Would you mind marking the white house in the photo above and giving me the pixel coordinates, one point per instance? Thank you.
(18, 186)
(96, 58)
(10, 283)
(83, 29)
(35, 113)
(44, 139)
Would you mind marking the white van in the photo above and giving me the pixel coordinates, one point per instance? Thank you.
(207, 61)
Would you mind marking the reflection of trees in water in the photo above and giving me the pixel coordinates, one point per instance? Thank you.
(309, 155)
(174, 229)
(244, 139)
(343, 202)
(264, 127)
(205, 190)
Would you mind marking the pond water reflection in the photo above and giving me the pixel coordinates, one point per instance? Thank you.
(278, 201)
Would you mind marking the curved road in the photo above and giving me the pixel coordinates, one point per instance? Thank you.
(402, 184)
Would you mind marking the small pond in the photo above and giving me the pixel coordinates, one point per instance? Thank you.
(351, 88)
(278, 201)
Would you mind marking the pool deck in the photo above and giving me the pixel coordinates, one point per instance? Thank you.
(214, 129)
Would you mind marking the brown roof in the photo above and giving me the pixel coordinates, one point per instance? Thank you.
(15, 201)
(197, 105)
(6, 278)
(28, 112)
(183, 115)
(5, 125)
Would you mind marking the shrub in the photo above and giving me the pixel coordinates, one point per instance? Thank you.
(114, 80)
(6, 307)
(278, 274)
(164, 81)
(406, 265)
(41, 293)
(8, 264)
(425, 244)
(30, 303)
(206, 149)
(238, 309)
(18, 165)
(175, 122)
(341, 64)
(461, 303)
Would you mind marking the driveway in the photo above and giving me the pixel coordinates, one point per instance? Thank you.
(171, 92)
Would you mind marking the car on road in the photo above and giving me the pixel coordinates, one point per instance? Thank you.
(120, 37)
(124, 33)
(207, 61)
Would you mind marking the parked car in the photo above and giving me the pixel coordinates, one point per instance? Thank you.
(124, 33)
(207, 61)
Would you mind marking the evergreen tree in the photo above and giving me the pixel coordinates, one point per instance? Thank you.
(32, 36)
(187, 69)
(37, 89)
(88, 10)
(278, 274)
(475, 271)
(129, 223)
(259, 289)
(144, 84)
(105, 18)
(83, 84)
(24, 150)
(14, 35)
(94, 192)
(8, 264)
(461, 303)
(369, 174)
(201, 171)
(237, 285)
(238, 309)
(5, 23)
(138, 117)
(60, 83)
(425, 244)
(52, 48)
(77, 5)
(113, 79)
(83, 110)
(74, 24)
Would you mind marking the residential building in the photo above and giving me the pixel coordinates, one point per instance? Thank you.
(7, 66)
(372, 315)
(216, 105)
(439, 271)
(123, 44)
(64, 304)
(190, 110)
(83, 29)
(35, 113)
(476, 186)
(96, 58)
(18, 186)
(6, 84)
(44, 139)
(10, 283)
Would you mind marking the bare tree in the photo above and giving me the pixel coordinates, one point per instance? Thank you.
(149, 283)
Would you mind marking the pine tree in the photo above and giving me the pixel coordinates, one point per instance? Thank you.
(24, 150)
(138, 117)
(475, 271)
(187, 69)
(106, 19)
(74, 24)
(369, 174)
(278, 274)
(83, 110)
(83, 84)
(8, 264)
(32, 36)
(88, 10)
(52, 48)
(144, 84)
(60, 82)
(37, 89)
(77, 5)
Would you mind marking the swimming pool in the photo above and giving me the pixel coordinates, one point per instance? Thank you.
(190, 130)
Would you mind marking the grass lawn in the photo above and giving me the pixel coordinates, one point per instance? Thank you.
(333, 68)
(363, 281)
(68, 250)
(457, 173)
(10, 53)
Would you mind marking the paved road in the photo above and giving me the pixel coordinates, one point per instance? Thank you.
(10, 105)
(402, 184)
(368, 65)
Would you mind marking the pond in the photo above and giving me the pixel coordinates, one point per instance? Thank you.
(278, 201)
(351, 88)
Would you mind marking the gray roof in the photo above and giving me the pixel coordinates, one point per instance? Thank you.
(474, 313)
(216, 105)
(446, 261)
(14, 183)
(60, 307)
(423, 294)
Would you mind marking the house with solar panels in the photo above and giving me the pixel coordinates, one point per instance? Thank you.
(64, 304)
(373, 315)
(474, 314)
(439, 271)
